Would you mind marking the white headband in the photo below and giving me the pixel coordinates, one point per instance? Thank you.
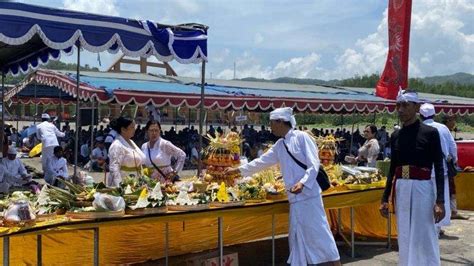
(285, 114)
(410, 96)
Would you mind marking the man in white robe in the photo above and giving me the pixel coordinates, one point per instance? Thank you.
(448, 145)
(4, 186)
(56, 167)
(310, 238)
(48, 133)
(14, 170)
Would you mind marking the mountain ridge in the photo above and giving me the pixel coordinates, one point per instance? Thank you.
(461, 78)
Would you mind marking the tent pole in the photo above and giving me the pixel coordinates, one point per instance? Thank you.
(342, 121)
(2, 133)
(201, 115)
(352, 135)
(60, 110)
(78, 113)
(92, 125)
(36, 108)
(189, 117)
(18, 114)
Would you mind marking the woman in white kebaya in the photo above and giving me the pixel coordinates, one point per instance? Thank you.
(369, 152)
(159, 153)
(125, 157)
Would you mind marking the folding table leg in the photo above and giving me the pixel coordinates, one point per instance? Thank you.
(39, 250)
(221, 240)
(352, 233)
(6, 250)
(273, 239)
(166, 243)
(96, 246)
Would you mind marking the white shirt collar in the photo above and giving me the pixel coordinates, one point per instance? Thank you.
(156, 145)
(289, 133)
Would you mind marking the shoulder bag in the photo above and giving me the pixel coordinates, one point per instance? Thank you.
(322, 178)
(172, 178)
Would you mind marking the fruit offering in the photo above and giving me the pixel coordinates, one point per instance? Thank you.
(222, 152)
(327, 148)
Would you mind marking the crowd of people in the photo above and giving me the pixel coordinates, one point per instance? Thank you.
(362, 148)
(419, 151)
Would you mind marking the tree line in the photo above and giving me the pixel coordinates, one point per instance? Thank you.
(417, 84)
(365, 81)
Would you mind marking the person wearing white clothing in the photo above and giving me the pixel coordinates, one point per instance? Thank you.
(85, 152)
(56, 167)
(310, 238)
(159, 153)
(14, 170)
(367, 154)
(4, 186)
(124, 155)
(99, 155)
(153, 113)
(48, 133)
(110, 136)
(448, 145)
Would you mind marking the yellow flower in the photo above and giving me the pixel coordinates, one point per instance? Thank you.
(222, 195)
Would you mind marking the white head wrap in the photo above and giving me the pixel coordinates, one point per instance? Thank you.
(285, 114)
(45, 116)
(12, 150)
(408, 96)
(427, 110)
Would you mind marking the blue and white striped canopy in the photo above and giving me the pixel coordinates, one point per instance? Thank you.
(33, 35)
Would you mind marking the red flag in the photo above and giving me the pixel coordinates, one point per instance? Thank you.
(395, 74)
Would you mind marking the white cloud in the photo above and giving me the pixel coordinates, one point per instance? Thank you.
(441, 42)
(297, 45)
(258, 38)
(190, 7)
(246, 66)
(103, 7)
(219, 56)
(438, 43)
(249, 66)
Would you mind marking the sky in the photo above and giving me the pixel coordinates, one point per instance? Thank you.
(324, 39)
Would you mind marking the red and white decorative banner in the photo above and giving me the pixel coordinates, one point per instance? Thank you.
(395, 74)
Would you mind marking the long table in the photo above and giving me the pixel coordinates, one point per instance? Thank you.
(140, 238)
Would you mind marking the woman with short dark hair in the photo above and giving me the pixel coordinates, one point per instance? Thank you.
(124, 155)
(369, 152)
(159, 152)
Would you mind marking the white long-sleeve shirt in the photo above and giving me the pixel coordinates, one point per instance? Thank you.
(161, 154)
(302, 148)
(14, 171)
(4, 186)
(85, 150)
(48, 133)
(122, 154)
(369, 151)
(99, 153)
(56, 167)
(111, 136)
(448, 145)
